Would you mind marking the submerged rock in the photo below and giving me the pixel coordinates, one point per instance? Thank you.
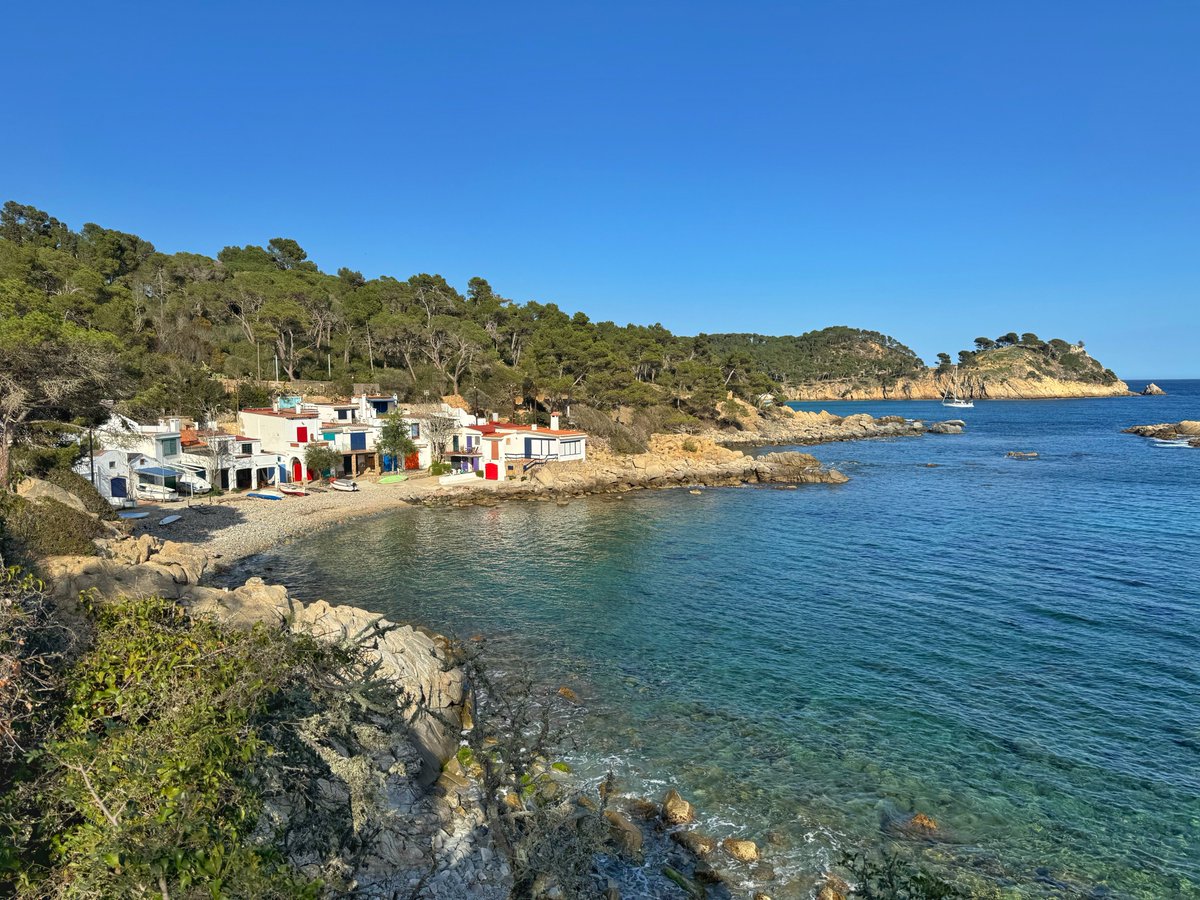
(741, 850)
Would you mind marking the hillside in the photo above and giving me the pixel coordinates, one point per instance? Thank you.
(838, 352)
(1025, 367)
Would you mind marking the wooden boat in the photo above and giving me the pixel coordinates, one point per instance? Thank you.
(343, 484)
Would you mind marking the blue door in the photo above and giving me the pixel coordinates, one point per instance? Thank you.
(118, 488)
(358, 440)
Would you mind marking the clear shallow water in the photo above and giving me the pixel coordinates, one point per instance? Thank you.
(1012, 647)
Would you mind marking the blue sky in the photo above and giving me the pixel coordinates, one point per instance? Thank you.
(934, 170)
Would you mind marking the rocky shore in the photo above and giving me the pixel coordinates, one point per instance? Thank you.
(382, 801)
(1186, 431)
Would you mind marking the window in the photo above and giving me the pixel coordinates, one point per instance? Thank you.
(569, 448)
(112, 463)
(247, 449)
(170, 446)
(537, 447)
(343, 414)
(416, 430)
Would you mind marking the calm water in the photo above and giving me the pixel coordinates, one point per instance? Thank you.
(1010, 647)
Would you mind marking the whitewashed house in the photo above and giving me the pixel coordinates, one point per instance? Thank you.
(509, 450)
(285, 434)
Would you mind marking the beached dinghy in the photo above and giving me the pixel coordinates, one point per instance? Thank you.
(265, 495)
(343, 484)
(393, 479)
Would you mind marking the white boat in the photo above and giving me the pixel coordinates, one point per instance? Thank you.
(265, 495)
(158, 492)
(951, 398)
(343, 484)
(293, 490)
(169, 520)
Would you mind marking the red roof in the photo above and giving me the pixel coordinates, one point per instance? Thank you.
(493, 427)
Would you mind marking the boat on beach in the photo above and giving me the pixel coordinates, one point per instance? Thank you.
(265, 495)
(343, 484)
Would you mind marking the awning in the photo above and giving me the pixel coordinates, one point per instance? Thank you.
(158, 472)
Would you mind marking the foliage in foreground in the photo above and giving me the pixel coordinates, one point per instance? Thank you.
(139, 785)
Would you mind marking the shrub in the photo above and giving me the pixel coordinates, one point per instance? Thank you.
(690, 446)
(440, 468)
(141, 789)
(83, 489)
(30, 531)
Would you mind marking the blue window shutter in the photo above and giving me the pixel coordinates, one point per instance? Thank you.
(358, 440)
(528, 447)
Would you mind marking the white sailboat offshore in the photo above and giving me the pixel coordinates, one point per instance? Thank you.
(951, 396)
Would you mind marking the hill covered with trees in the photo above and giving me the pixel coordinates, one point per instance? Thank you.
(102, 314)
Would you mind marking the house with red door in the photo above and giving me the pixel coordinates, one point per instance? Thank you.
(285, 433)
(509, 450)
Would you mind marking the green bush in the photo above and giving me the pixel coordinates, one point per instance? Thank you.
(30, 531)
(441, 468)
(83, 489)
(690, 446)
(141, 788)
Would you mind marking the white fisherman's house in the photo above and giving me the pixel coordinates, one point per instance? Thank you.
(155, 466)
(509, 450)
(285, 433)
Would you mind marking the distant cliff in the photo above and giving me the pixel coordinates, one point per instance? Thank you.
(1037, 370)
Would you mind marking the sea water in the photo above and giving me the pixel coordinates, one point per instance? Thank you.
(1011, 647)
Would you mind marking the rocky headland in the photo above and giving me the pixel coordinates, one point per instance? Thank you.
(1186, 431)
(978, 386)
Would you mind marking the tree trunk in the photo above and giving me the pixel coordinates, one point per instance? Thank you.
(4, 439)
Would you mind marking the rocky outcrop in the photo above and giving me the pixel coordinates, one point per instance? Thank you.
(1152, 390)
(1188, 430)
(35, 489)
(784, 425)
(676, 810)
(672, 461)
(353, 801)
(950, 426)
(930, 386)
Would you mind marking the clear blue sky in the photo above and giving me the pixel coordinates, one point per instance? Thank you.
(935, 170)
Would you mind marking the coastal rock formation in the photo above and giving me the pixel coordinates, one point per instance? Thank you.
(676, 810)
(784, 425)
(356, 804)
(1152, 390)
(1188, 430)
(742, 851)
(951, 426)
(929, 386)
(672, 461)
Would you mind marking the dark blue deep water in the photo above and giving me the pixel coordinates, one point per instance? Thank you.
(1011, 647)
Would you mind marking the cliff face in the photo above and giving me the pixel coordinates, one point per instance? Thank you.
(1003, 373)
(928, 386)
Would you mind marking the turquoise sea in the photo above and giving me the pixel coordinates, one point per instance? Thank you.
(1011, 647)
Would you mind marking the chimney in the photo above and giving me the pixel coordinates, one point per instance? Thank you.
(533, 427)
(554, 421)
(495, 417)
(173, 424)
(275, 404)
